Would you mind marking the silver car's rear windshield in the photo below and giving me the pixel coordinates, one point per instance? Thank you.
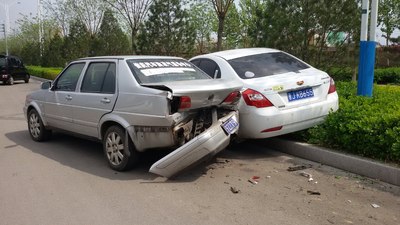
(164, 70)
(266, 64)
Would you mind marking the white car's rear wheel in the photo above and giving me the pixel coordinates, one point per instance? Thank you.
(119, 153)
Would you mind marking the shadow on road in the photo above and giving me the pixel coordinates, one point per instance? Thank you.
(87, 156)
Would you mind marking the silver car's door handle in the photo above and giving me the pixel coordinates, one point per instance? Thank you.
(105, 100)
(68, 97)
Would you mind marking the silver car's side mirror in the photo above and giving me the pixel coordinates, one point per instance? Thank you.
(45, 85)
(249, 74)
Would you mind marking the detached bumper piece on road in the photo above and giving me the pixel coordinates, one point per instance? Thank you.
(199, 149)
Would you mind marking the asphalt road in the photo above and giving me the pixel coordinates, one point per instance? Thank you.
(66, 181)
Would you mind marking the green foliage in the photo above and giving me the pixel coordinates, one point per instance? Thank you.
(167, 31)
(44, 72)
(389, 17)
(54, 53)
(365, 126)
(301, 28)
(204, 21)
(77, 43)
(111, 40)
(232, 32)
(381, 75)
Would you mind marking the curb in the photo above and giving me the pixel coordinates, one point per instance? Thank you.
(355, 164)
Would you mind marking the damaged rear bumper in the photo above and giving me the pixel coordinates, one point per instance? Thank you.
(199, 149)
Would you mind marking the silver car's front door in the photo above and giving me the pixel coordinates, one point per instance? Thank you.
(96, 97)
(57, 105)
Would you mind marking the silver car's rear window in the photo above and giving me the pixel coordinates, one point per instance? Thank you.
(164, 70)
(266, 64)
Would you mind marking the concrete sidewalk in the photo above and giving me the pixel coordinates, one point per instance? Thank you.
(355, 164)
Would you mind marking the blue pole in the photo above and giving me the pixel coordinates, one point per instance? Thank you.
(366, 68)
(367, 49)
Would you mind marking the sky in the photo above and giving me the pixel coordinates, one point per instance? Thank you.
(25, 7)
(29, 8)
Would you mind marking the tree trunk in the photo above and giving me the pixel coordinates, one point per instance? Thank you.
(134, 34)
(221, 21)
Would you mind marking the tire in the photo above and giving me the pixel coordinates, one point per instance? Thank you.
(119, 152)
(26, 79)
(36, 128)
(10, 81)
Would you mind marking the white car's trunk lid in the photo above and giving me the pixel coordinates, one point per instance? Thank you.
(292, 89)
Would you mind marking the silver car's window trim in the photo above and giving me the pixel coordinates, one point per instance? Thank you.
(106, 71)
(54, 87)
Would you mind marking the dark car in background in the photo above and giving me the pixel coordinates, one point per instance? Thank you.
(11, 69)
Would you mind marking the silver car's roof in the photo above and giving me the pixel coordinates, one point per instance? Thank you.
(241, 52)
(123, 57)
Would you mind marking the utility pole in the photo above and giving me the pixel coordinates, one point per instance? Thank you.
(7, 24)
(39, 10)
(367, 49)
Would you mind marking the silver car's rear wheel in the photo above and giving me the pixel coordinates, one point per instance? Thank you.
(36, 128)
(120, 154)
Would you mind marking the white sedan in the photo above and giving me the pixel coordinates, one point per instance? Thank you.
(281, 94)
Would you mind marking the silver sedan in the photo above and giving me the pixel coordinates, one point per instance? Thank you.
(136, 103)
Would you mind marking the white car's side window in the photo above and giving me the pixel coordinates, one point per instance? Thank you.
(68, 80)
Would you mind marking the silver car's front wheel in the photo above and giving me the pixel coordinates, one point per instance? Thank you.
(120, 154)
(36, 128)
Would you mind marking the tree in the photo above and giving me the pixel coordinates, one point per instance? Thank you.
(111, 39)
(168, 30)
(77, 43)
(233, 29)
(302, 27)
(89, 12)
(204, 20)
(53, 55)
(134, 12)
(249, 16)
(389, 17)
(221, 8)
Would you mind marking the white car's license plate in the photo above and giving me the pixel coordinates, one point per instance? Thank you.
(300, 94)
(230, 125)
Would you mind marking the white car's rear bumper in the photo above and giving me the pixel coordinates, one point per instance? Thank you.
(253, 121)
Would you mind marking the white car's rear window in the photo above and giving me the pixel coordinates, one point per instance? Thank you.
(164, 70)
(266, 64)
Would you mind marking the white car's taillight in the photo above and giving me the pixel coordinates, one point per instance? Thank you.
(255, 98)
(332, 87)
(232, 98)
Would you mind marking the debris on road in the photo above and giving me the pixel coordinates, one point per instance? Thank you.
(235, 190)
(222, 161)
(254, 180)
(310, 179)
(304, 174)
(313, 192)
(375, 205)
(296, 168)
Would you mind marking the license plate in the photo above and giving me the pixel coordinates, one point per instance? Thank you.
(300, 94)
(230, 125)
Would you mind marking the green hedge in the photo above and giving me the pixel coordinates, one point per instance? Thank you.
(44, 72)
(381, 75)
(366, 126)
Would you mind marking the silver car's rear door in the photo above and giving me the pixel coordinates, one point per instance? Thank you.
(96, 96)
(200, 148)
